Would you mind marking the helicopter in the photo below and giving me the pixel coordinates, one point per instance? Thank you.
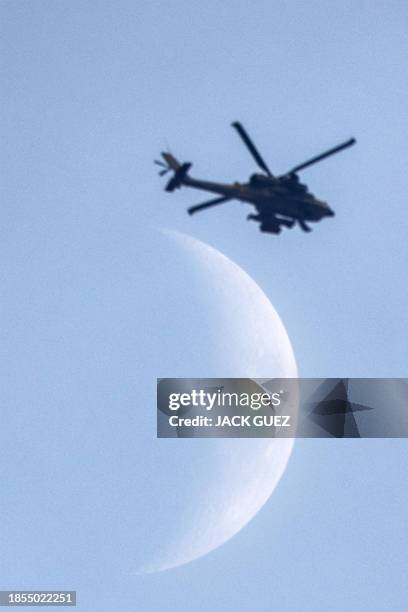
(280, 201)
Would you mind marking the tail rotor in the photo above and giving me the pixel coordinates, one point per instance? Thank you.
(165, 167)
(171, 164)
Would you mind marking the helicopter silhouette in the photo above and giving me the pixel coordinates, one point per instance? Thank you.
(280, 201)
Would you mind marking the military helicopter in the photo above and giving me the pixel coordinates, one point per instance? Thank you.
(280, 201)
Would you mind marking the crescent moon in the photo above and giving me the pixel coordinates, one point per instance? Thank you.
(243, 472)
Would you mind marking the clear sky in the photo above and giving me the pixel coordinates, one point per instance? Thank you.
(91, 93)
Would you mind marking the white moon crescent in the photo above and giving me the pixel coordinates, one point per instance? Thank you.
(252, 342)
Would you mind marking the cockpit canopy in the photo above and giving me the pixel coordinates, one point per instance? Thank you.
(261, 180)
(289, 181)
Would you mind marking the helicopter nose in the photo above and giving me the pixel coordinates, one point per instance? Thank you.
(330, 212)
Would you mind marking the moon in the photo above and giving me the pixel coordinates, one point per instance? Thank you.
(235, 476)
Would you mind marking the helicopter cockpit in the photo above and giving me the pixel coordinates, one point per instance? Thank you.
(260, 181)
(289, 181)
(293, 183)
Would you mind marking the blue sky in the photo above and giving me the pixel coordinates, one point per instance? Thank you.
(92, 92)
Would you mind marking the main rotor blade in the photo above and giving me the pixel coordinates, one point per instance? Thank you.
(318, 158)
(253, 150)
(194, 209)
